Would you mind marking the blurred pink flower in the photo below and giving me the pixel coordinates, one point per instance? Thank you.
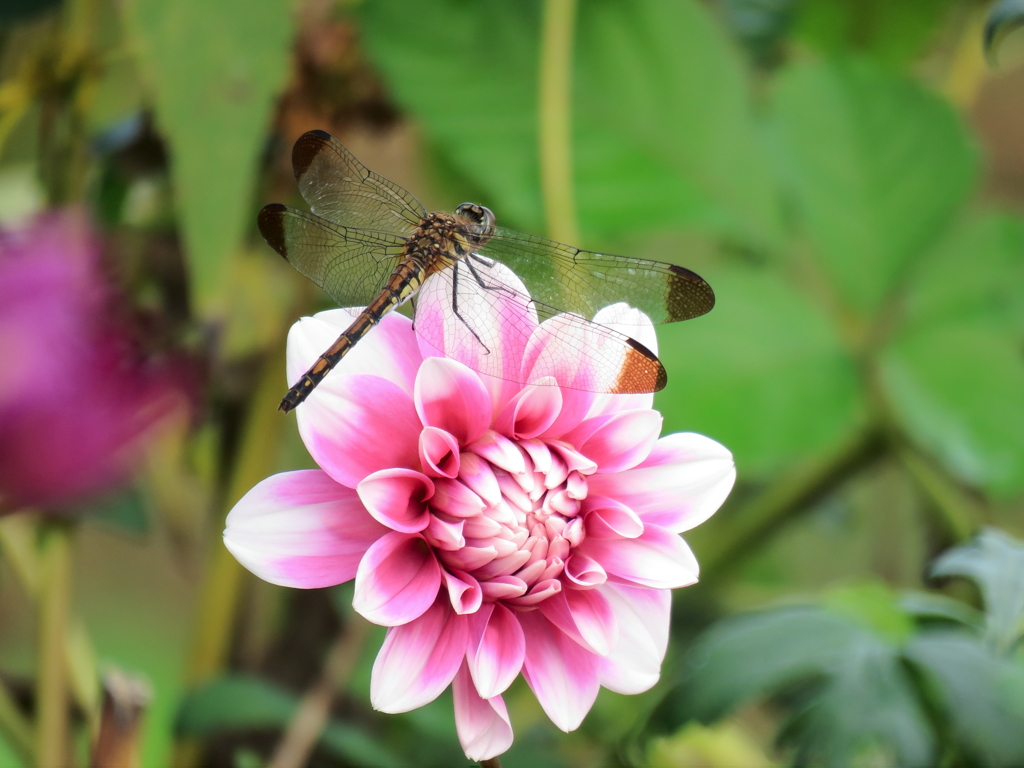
(74, 397)
(494, 528)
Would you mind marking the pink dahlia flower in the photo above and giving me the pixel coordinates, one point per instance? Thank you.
(495, 528)
(76, 398)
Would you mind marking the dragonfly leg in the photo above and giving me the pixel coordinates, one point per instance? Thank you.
(455, 306)
(479, 280)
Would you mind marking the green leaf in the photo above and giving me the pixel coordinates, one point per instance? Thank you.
(764, 373)
(1004, 18)
(873, 606)
(663, 75)
(956, 388)
(876, 166)
(858, 694)
(931, 605)
(979, 693)
(662, 131)
(751, 655)
(893, 33)
(974, 274)
(995, 561)
(246, 703)
(215, 69)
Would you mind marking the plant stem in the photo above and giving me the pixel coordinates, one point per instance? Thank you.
(958, 514)
(746, 528)
(51, 674)
(308, 722)
(218, 600)
(492, 763)
(555, 118)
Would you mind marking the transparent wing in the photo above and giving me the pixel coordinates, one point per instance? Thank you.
(342, 190)
(351, 265)
(584, 282)
(479, 313)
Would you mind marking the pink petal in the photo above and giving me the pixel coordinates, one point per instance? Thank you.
(439, 452)
(530, 412)
(584, 571)
(359, 425)
(419, 659)
(657, 559)
(499, 451)
(608, 519)
(389, 351)
(450, 396)
(679, 486)
(483, 725)
(397, 580)
(444, 534)
(503, 322)
(301, 529)
(397, 498)
(503, 588)
(463, 591)
(478, 475)
(585, 616)
(563, 675)
(496, 649)
(622, 442)
(453, 498)
(634, 664)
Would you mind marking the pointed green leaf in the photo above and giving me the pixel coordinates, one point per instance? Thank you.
(979, 693)
(995, 561)
(215, 69)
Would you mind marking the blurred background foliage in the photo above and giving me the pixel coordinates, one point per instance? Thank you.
(849, 177)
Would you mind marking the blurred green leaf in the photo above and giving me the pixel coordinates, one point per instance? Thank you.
(663, 75)
(663, 135)
(215, 69)
(956, 388)
(247, 703)
(856, 693)
(754, 371)
(995, 562)
(931, 605)
(1004, 18)
(751, 655)
(974, 274)
(979, 693)
(876, 166)
(873, 606)
(893, 33)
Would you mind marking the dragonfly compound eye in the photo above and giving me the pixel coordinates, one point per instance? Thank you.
(479, 219)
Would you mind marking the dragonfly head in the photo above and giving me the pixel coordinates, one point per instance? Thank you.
(479, 222)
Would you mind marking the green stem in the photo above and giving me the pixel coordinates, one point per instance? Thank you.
(958, 514)
(555, 118)
(218, 600)
(51, 675)
(746, 528)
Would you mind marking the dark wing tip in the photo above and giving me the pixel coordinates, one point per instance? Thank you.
(306, 148)
(641, 372)
(689, 295)
(271, 224)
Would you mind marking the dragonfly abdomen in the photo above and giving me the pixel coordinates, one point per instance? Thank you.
(404, 282)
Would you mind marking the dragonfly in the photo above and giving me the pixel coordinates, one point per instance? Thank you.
(369, 243)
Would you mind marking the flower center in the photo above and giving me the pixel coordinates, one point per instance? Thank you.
(518, 546)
